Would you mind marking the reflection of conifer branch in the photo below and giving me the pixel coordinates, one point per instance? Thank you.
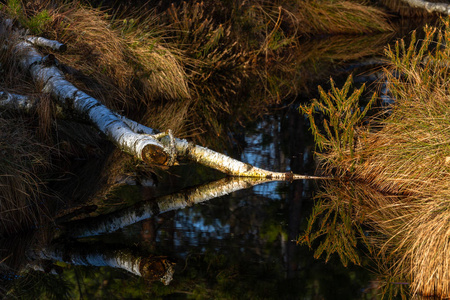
(119, 219)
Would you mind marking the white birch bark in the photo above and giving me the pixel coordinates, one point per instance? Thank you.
(112, 222)
(212, 159)
(12, 101)
(131, 137)
(443, 8)
(68, 96)
(43, 42)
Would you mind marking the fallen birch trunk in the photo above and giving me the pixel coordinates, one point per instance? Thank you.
(130, 136)
(43, 72)
(212, 159)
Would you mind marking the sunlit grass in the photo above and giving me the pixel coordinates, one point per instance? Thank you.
(333, 17)
(404, 151)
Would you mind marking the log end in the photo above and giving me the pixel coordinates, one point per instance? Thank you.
(62, 48)
(157, 268)
(154, 154)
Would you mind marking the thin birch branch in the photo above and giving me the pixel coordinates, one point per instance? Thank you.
(443, 8)
(18, 102)
(43, 42)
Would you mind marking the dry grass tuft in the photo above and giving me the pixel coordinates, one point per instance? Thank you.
(120, 62)
(340, 17)
(404, 151)
(409, 154)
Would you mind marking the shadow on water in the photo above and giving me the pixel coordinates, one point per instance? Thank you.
(189, 233)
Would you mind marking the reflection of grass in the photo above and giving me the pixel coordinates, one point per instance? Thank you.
(349, 217)
(22, 157)
(334, 220)
(406, 237)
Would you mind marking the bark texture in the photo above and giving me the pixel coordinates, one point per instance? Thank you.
(68, 96)
(12, 101)
(43, 42)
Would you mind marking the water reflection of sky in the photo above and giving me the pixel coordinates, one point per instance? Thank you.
(197, 231)
(261, 151)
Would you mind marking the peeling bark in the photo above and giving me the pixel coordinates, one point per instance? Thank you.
(443, 8)
(112, 222)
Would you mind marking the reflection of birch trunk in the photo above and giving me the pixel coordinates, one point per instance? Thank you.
(114, 221)
(151, 268)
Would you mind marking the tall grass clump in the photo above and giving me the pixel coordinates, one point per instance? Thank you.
(405, 151)
(340, 17)
(409, 154)
(124, 63)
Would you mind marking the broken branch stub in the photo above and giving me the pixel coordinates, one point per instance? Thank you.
(431, 7)
(43, 42)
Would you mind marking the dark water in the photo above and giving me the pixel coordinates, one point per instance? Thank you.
(237, 246)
